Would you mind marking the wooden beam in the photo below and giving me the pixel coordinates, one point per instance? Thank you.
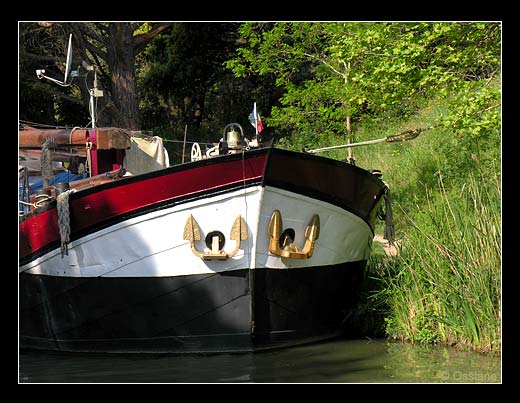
(106, 177)
(106, 138)
(35, 138)
(112, 138)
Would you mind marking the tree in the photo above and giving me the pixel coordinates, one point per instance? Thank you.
(183, 83)
(334, 72)
(179, 71)
(45, 47)
(111, 47)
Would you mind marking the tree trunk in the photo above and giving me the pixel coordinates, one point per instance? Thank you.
(121, 59)
(350, 157)
(111, 48)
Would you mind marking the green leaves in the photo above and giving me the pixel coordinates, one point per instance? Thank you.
(475, 111)
(369, 68)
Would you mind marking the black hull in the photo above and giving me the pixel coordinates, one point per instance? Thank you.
(237, 311)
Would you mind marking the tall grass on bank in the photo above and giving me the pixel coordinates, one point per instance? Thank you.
(446, 284)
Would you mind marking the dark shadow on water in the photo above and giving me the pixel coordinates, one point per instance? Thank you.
(339, 361)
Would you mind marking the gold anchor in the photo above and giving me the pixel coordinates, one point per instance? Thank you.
(288, 248)
(192, 234)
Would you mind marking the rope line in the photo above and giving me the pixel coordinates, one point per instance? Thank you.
(64, 220)
(396, 138)
(46, 161)
(40, 200)
(388, 217)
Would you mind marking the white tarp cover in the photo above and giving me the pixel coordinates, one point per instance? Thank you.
(146, 154)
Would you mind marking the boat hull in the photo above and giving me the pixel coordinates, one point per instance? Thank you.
(205, 313)
(131, 282)
(194, 313)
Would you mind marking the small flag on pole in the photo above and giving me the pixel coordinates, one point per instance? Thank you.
(256, 121)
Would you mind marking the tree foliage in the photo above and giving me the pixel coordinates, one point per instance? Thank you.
(333, 70)
(307, 78)
(44, 47)
(184, 85)
(109, 46)
(177, 80)
(177, 72)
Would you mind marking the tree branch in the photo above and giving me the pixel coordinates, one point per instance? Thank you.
(100, 68)
(40, 57)
(35, 83)
(85, 29)
(323, 61)
(84, 43)
(135, 25)
(95, 50)
(489, 108)
(141, 40)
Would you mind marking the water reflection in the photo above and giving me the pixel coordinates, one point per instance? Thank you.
(341, 361)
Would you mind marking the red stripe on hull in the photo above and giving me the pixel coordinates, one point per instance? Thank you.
(126, 196)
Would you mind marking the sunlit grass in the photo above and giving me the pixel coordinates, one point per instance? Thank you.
(445, 286)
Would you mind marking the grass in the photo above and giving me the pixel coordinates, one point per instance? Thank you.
(445, 285)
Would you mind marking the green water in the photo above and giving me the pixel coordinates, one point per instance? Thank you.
(340, 361)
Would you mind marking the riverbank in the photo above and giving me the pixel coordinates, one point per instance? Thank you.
(443, 282)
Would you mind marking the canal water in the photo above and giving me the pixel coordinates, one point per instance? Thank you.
(338, 361)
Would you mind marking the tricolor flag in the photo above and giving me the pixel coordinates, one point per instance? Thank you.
(256, 121)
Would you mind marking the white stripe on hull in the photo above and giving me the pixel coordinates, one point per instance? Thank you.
(152, 244)
(344, 237)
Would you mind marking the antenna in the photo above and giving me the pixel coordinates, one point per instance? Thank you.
(94, 92)
(69, 60)
(40, 73)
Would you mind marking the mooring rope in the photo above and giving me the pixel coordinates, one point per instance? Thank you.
(395, 138)
(388, 216)
(64, 220)
(46, 161)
